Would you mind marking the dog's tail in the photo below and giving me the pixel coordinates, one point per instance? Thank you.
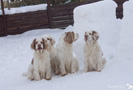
(24, 74)
(103, 61)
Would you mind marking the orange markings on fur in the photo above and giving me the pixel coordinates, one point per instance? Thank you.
(32, 62)
(69, 37)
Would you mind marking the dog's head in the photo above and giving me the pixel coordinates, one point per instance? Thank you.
(50, 40)
(70, 37)
(91, 36)
(39, 44)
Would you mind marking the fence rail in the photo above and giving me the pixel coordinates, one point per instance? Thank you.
(56, 16)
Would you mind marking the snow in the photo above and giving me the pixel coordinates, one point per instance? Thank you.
(101, 21)
(25, 9)
(115, 41)
(125, 46)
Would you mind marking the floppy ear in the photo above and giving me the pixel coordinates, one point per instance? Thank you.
(33, 44)
(76, 36)
(32, 62)
(95, 35)
(69, 38)
(52, 41)
(45, 45)
(85, 36)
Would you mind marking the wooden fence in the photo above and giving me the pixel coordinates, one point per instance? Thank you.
(19, 23)
(56, 16)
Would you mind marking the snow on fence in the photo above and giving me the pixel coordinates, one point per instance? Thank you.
(56, 16)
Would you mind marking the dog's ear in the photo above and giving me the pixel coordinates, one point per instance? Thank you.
(33, 44)
(45, 45)
(85, 36)
(52, 41)
(32, 62)
(69, 38)
(95, 35)
(76, 36)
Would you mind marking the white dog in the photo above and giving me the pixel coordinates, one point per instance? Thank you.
(92, 53)
(52, 50)
(40, 65)
(68, 62)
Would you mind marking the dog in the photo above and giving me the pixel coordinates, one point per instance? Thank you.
(52, 50)
(40, 66)
(93, 55)
(65, 55)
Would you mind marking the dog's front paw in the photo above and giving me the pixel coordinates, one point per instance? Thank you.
(57, 73)
(48, 78)
(31, 78)
(99, 70)
(37, 78)
(63, 74)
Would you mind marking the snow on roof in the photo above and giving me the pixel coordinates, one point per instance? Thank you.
(24, 9)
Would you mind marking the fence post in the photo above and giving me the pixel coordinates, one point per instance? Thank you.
(48, 13)
(4, 18)
(119, 8)
(8, 4)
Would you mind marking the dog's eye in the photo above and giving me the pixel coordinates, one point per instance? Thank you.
(41, 42)
(36, 42)
(48, 39)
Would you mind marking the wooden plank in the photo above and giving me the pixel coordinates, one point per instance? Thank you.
(25, 25)
(1, 29)
(18, 27)
(56, 24)
(1, 18)
(25, 17)
(28, 13)
(62, 25)
(1, 25)
(63, 13)
(29, 21)
(58, 18)
(2, 34)
(21, 30)
(58, 6)
(60, 9)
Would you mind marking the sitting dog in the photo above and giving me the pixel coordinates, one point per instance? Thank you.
(52, 51)
(40, 65)
(92, 52)
(68, 62)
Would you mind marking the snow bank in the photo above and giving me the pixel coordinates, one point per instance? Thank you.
(25, 9)
(100, 17)
(125, 46)
(15, 56)
(15, 52)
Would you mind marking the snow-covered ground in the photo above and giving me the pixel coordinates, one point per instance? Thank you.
(115, 40)
(25, 9)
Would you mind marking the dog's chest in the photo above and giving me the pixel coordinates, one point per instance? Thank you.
(92, 52)
(41, 62)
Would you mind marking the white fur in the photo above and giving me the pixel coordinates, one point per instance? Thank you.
(92, 53)
(41, 64)
(68, 63)
(52, 50)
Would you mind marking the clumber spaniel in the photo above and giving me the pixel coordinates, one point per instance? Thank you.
(68, 62)
(92, 52)
(52, 50)
(40, 64)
